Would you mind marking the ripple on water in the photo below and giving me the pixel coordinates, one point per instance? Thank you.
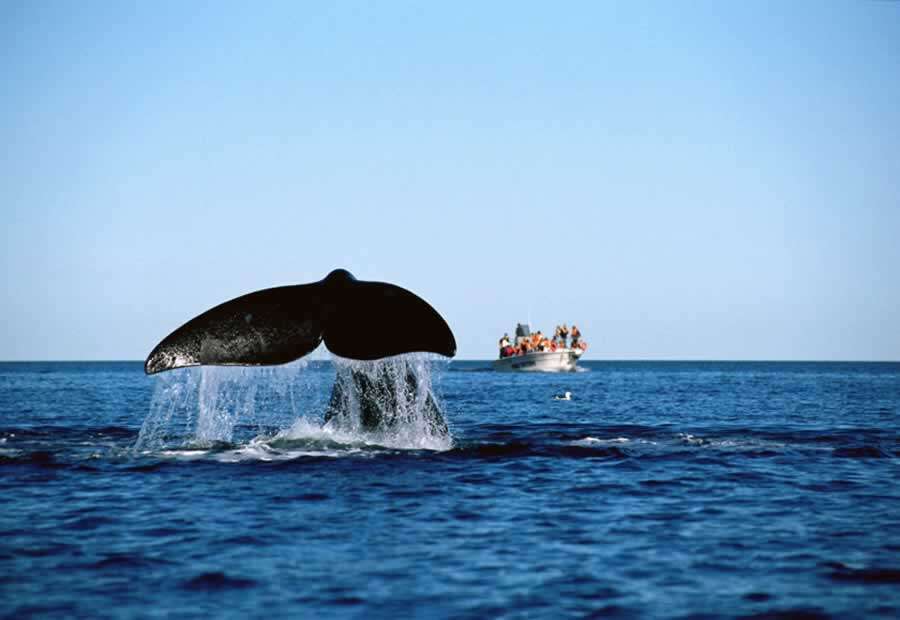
(217, 581)
(870, 575)
(127, 561)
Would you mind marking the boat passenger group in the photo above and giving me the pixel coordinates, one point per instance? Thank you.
(530, 343)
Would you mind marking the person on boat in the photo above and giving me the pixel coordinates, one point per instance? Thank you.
(563, 335)
(504, 346)
(558, 337)
(576, 336)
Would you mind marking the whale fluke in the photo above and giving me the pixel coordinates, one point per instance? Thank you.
(356, 319)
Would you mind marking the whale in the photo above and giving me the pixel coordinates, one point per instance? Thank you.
(355, 319)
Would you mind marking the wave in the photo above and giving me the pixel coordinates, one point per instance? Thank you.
(863, 452)
(126, 561)
(217, 581)
(38, 458)
(869, 575)
(525, 449)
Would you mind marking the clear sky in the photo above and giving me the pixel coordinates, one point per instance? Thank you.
(682, 180)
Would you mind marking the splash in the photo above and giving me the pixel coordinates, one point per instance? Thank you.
(206, 406)
(390, 403)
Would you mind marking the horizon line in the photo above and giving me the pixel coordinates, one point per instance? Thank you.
(603, 360)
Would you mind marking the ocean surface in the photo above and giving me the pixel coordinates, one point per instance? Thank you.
(668, 490)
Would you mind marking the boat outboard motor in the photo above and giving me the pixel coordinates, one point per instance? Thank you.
(522, 332)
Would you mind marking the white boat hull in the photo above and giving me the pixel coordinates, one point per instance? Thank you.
(540, 361)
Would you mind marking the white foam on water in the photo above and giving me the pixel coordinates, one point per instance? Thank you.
(610, 441)
(749, 443)
(597, 440)
(272, 449)
(196, 454)
(692, 440)
(308, 431)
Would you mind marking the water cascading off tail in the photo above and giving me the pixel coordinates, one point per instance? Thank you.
(392, 401)
(389, 402)
(200, 407)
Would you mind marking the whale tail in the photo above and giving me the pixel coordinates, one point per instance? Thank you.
(355, 319)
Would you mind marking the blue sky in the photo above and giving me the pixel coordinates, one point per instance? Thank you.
(684, 181)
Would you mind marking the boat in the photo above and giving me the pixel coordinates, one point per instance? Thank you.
(553, 359)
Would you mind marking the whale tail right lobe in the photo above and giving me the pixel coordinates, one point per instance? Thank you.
(373, 320)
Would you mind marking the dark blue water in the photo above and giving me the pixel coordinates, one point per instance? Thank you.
(660, 490)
